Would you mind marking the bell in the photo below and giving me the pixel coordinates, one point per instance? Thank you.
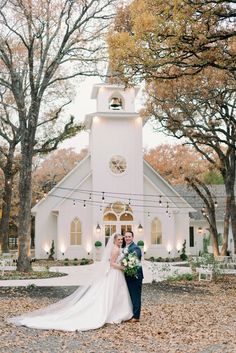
(115, 103)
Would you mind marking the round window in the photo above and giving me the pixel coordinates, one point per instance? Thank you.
(117, 164)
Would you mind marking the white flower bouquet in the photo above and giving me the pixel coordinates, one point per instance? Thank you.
(131, 264)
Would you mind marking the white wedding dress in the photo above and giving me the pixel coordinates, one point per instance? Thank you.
(105, 301)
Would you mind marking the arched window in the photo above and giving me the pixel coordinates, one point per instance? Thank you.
(126, 217)
(110, 217)
(156, 231)
(75, 232)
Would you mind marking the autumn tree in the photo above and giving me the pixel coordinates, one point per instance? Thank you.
(53, 168)
(175, 162)
(201, 109)
(168, 39)
(160, 41)
(11, 159)
(43, 45)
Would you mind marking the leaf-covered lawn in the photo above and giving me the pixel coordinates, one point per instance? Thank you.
(15, 275)
(177, 317)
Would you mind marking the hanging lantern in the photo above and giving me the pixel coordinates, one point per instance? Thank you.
(140, 227)
(98, 228)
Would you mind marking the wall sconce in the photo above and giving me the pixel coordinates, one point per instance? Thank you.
(88, 248)
(169, 249)
(178, 248)
(140, 227)
(200, 230)
(98, 228)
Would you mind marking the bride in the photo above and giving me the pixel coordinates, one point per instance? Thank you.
(107, 300)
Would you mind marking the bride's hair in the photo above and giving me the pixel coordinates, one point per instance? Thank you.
(116, 235)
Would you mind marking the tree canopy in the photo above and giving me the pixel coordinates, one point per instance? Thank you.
(168, 39)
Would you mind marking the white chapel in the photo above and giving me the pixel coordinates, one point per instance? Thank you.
(112, 189)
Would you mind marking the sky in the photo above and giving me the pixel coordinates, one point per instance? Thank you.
(83, 105)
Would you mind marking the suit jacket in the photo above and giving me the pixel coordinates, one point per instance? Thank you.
(135, 248)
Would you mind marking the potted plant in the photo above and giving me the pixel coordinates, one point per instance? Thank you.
(98, 246)
(140, 243)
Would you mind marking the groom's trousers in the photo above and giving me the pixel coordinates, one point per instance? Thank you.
(135, 290)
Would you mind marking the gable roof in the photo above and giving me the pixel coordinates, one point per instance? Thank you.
(166, 188)
(196, 202)
(84, 167)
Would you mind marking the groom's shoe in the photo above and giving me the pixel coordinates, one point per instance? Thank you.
(134, 320)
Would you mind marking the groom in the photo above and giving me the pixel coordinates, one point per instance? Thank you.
(134, 283)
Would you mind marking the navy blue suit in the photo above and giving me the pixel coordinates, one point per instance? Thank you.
(135, 283)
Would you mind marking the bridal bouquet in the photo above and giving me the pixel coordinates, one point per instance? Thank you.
(131, 264)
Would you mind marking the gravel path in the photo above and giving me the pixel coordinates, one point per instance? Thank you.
(190, 317)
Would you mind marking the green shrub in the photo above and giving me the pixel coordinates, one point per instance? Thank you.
(84, 262)
(98, 243)
(206, 259)
(51, 251)
(66, 262)
(183, 277)
(140, 243)
(183, 255)
(160, 259)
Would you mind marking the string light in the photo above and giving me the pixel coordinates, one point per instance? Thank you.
(94, 192)
(123, 198)
(174, 201)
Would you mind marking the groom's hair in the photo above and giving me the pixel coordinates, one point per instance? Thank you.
(131, 232)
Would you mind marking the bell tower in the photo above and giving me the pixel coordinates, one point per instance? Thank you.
(115, 146)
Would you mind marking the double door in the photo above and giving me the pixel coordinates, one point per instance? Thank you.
(120, 228)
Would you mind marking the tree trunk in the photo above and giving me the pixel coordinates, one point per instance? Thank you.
(233, 222)
(6, 202)
(232, 194)
(25, 184)
(229, 181)
(226, 232)
(214, 239)
(6, 208)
